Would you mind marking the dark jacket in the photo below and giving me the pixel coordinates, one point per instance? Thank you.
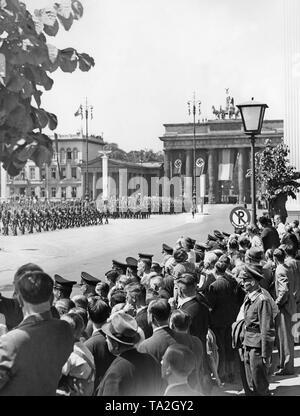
(32, 356)
(132, 374)
(102, 357)
(181, 390)
(270, 238)
(141, 318)
(222, 298)
(12, 311)
(259, 324)
(200, 317)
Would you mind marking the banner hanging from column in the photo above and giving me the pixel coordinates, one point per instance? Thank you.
(226, 165)
(177, 167)
(200, 164)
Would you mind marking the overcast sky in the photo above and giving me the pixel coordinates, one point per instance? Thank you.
(152, 54)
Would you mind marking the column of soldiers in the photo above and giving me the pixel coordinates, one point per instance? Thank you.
(22, 219)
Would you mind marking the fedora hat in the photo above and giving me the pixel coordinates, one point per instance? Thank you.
(123, 328)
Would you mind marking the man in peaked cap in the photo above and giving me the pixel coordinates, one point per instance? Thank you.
(62, 287)
(119, 267)
(167, 252)
(219, 235)
(88, 284)
(145, 256)
(259, 335)
(212, 242)
(225, 234)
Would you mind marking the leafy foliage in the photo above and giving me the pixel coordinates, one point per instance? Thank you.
(135, 156)
(29, 60)
(274, 174)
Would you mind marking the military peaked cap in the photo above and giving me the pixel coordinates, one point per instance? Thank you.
(211, 237)
(218, 234)
(201, 247)
(61, 282)
(225, 234)
(250, 272)
(131, 262)
(89, 279)
(167, 248)
(145, 256)
(120, 265)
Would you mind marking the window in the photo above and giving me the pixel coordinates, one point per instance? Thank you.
(43, 192)
(74, 173)
(74, 192)
(22, 174)
(22, 191)
(53, 192)
(63, 173)
(32, 173)
(63, 192)
(75, 154)
(69, 154)
(32, 191)
(62, 156)
(53, 173)
(43, 173)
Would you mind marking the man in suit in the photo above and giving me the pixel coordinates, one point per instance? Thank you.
(136, 297)
(10, 307)
(99, 312)
(269, 235)
(132, 373)
(177, 363)
(259, 333)
(285, 299)
(33, 354)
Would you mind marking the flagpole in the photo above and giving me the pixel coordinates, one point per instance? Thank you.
(87, 194)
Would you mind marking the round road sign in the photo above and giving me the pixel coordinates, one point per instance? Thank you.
(240, 217)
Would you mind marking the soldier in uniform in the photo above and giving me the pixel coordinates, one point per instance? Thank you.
(88, 284)
(62, 288)
(259, 332)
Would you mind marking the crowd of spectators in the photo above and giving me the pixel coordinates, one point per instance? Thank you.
(207, 313)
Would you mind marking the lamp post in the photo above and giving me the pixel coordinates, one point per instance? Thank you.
(252, 113)
(194, 103)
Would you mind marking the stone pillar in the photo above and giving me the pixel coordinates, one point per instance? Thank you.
(94, 185)
(167, 163)
(212, 176)
(3, 182)
(291, 39)
(105, 176)
(241, 174)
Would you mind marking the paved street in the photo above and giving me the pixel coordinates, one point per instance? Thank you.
(68, 252)
(91, 249)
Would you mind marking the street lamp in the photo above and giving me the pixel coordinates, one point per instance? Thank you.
(194, 103)
(252, 113)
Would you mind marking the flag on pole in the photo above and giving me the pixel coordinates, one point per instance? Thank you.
(177, 167)
(79, 112)
(226, 165)
(57, 155)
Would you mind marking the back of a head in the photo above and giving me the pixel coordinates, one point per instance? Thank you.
(233, 245)
(82, 313)
(102, 289)
(80, 301)
(138, 290)
(76, 323)
(180, 320)
(244, 242)
(35, 287)
(26, 268)
(290, 250)
(295, 223)
(221, 267)
(160, 309)
(64, 305)
(288, 228)
(269, 254)
(264, 221)
(279, 254)
(156, 267)
(181, 359)
(118, 296)
(98, 310)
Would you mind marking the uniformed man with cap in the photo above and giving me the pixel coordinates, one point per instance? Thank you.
(212, 242)
(132, 266)
(259, 334)
(119, 267)
(143, 267)
(88, 284)
(62, 287)
(167, 252)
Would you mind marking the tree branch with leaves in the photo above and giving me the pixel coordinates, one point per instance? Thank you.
(29, 61)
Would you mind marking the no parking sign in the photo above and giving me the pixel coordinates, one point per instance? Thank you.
(240, 217)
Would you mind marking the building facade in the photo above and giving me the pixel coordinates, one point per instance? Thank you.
(225, 151)
(60, 180)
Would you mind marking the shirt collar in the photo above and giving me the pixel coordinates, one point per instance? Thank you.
(253, 295)
(184, 300)
(160, 327)
(36, 317)
(170, 386)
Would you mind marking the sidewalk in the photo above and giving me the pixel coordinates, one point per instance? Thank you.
(279, 385)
